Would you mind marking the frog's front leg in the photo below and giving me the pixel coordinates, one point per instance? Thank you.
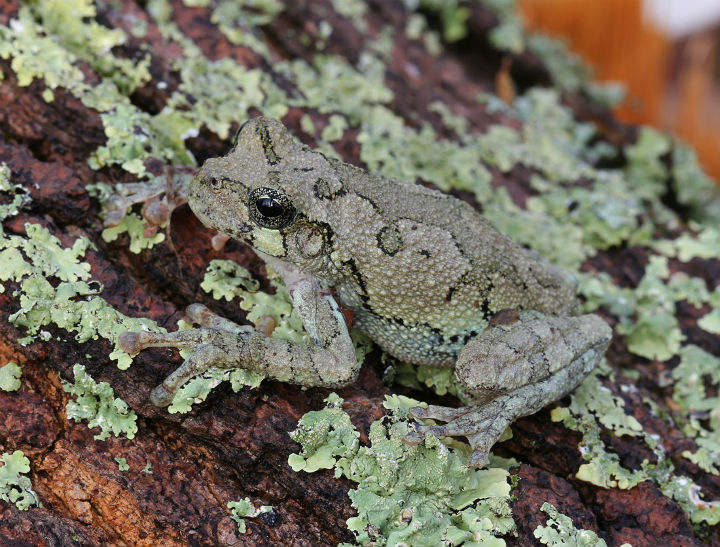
(515, 370)
(329, 361)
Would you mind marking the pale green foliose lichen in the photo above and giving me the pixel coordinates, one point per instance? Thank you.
(354, 10)
(122, 464)
(243, 508)
(453, 16)
(134, 226)
(412, 495)
(72, 303)
(560, 531)
(352, 92)
(19, 195)
(10, 374)
(613, 207)
(696, 371)
(96, 403)
(591, 406)
(15, 487)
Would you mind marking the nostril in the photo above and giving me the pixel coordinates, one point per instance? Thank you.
(215, 184)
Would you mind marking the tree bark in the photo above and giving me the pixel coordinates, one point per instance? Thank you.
(238, 442)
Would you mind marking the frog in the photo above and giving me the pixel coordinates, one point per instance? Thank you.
(426, 276)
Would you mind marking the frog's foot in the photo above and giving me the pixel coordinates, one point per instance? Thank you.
(213, 345)
(482, 425)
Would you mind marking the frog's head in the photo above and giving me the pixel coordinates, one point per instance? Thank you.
(256, 194)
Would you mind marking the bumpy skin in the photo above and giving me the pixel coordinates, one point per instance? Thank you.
(423, 272)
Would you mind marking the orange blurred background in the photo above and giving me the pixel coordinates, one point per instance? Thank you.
(668, 65)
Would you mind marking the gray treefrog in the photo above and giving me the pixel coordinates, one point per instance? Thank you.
(429, 280)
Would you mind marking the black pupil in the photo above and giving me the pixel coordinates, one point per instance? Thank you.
(268, 207)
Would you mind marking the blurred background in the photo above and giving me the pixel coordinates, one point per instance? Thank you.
(665, 52)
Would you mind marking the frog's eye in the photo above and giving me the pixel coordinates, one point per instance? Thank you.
(270, 208)
(216, 184)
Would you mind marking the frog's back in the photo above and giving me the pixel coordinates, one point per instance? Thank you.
(423, 264)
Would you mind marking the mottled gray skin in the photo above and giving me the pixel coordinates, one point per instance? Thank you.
(423, 272)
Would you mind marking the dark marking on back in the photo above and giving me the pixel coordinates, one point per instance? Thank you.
(270, 156)
(374, 205)
(360, 281)
(389, 240)
(449, 294)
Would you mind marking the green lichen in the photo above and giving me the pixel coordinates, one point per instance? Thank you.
(646, 313)
(122, 464)
(325, 436)
(227, 279)
(19, 195)
(335, 128)
(396, 150)
(413, 495)
(216, 94)
(243, 508)
(37, 56)
(136, 230)
(593, 406)
(700, 407)
(706, 244)
(710, 321)
(70, 301)
(15, 487)
(453, 16)
(71, 23)
(96, 403)
(240, 21)
(693, 188)
(352, 90)
(560, 531)
(440, 380)
(354, 10)
(134, 136)
(10, 374)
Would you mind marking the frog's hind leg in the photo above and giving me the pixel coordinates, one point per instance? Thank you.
(513, 371)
